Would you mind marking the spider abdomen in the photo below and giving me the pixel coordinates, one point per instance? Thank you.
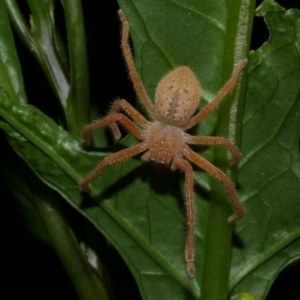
(177, 96)
(164, 142)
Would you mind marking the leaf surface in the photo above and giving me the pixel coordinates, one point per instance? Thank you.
(267, 239)
(10, 70)
(54, 155)
(134, 203)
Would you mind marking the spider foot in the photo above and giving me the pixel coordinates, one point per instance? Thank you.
(84, 186)
(234, 161)
(85, 144)
(190, 268)
(115, 132)
(233, 218)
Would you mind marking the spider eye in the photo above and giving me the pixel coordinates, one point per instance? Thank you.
(177, 96)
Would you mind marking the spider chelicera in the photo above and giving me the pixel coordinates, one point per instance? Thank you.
(164, 140)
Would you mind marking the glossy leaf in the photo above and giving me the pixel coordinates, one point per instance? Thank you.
(138, 208)
(61, 164)
(39, 205)
(38, 37)
(10, 70)
(138, 205)
(268, 238)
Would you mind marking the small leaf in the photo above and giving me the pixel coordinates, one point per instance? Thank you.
(10, 70)
(244, 296)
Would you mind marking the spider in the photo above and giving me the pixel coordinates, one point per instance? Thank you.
(164, 140)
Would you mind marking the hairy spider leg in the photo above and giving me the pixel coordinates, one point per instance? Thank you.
(133, 74)
(206, 110)
(215, 141)
(120, 105)
(107, 121)
(220, 176)
(186, 168)
(112, 159)
(178, 162)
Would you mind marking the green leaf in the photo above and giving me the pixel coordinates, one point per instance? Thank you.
(244, 296)
(209, 37)
(10, 70)
(71, 88)
(57, 159)
(39, 38)
(136, 207)
(45, 202)
(16, 177)
(268, 238)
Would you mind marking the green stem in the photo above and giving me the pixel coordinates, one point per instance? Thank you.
(85, 280)
(217, 258)
(78, 101)
(218, 247)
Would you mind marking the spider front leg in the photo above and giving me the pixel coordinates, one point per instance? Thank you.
(206, 110)
(112, 159)
(108, 121)
(220, 176)
(122, 104)
(133, 74)
(186, 168)
(215, 141)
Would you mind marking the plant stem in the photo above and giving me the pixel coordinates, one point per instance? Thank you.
(217, 260)
(85, 280)
(78, 100)
(218, 247)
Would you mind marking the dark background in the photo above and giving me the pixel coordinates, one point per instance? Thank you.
(28, 263)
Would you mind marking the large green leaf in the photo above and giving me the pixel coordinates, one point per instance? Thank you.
(146, 226)
(40, 206)
(268, 238)
(60, 162)
(136, 207)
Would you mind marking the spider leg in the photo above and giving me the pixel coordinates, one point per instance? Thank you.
(107, 121)
(122, 104)
(206, 110)
(220, 176)
(215, 141)
(112, 159)
(137, 84)
(186, 168)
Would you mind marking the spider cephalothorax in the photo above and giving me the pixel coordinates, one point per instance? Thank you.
(164, 140)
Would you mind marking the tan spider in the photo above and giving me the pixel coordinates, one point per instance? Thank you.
(164, 141)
